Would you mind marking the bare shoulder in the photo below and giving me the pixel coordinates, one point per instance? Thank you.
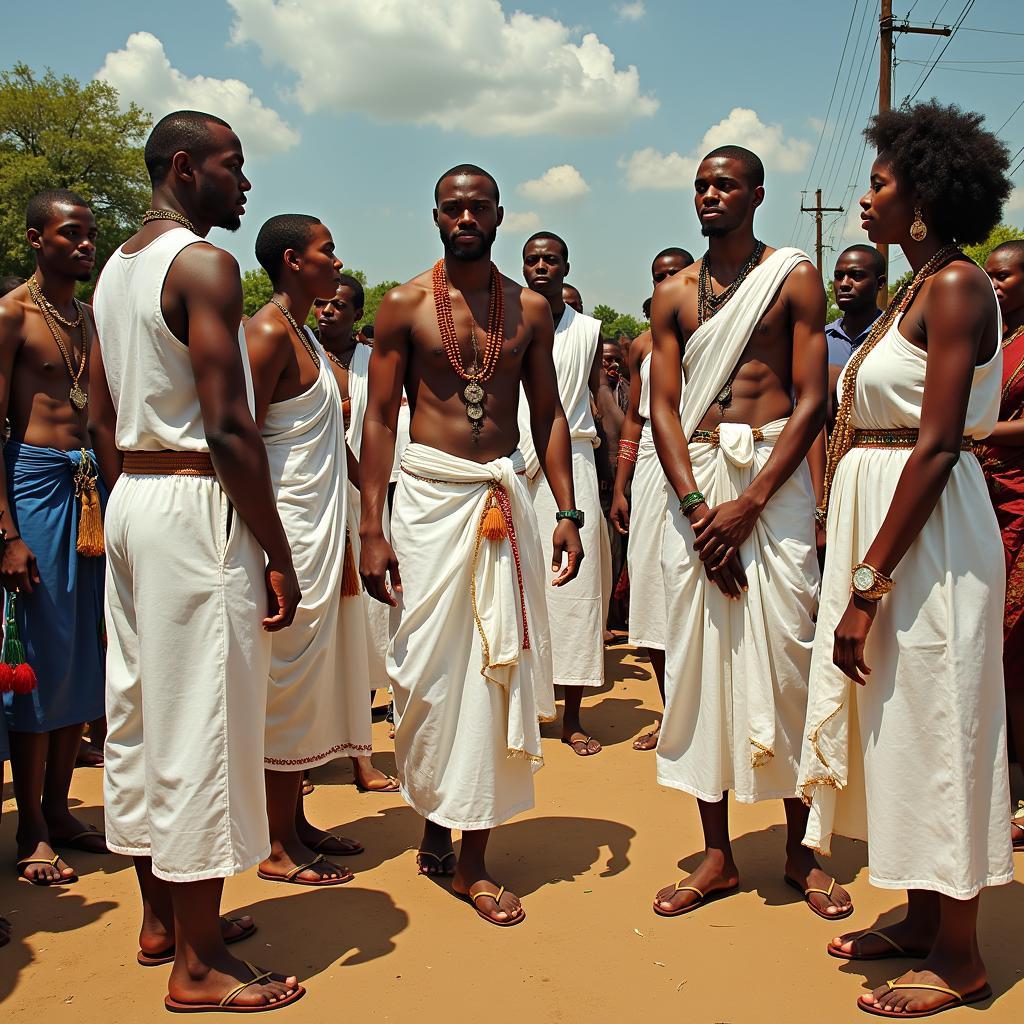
(405, 298)
(640, 346)
(961, 279)
(12, 314)
(675, 288)
(534, 305)
(207, 268)
(264, 328)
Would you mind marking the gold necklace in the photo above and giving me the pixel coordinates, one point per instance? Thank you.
(178, 218)
(303, 337)
(78, 395)
(843, 432)
(71, 325)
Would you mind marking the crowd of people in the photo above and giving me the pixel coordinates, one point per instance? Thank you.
(221, 534)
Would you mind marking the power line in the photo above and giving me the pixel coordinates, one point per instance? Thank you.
(956, 25)
(963, 71)
(992, 31)
(1010, 118)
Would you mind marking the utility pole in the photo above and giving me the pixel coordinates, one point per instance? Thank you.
(817, 209)
(886, 28)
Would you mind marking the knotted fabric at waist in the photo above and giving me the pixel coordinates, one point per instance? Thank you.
(899, 438)
(737, 440)
(167, 463)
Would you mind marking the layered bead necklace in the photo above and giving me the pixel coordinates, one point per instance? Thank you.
(78, 395)
(843, 433)
(481, 370)
(178, 218)
(708, 304)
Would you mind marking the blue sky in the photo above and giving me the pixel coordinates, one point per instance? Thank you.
(590, 114)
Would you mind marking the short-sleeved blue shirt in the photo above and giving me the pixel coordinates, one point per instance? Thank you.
(840, 345)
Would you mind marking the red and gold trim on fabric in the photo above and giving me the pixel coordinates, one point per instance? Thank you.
(349, 749)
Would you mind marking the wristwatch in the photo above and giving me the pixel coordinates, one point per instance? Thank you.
(869, 583)
(574, 514)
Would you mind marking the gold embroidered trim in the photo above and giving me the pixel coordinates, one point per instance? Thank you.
(898, 438)
(761, 754)
(714, 437)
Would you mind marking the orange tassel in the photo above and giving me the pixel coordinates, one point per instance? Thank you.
(350, 585)
(492, 525)
(90, 518)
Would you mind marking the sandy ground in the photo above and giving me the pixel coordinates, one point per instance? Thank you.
(391, 946)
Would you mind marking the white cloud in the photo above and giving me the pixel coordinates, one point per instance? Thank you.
(631, 11)
(651, 169)
(468, 67)
(527, 220)
(555, 185)
(1016, 200)
(143, 73)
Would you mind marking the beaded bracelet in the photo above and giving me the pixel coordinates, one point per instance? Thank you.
(628, 451)
(690, 502)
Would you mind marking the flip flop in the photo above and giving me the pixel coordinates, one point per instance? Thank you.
(585, 742)
(496, 896)
(979, 995)
(74, 842)
(807, 893)
(167, 956)
(704, 898)
(440, 873)
(227, 1004)
(651, 734)
(895, 952)
(330, 837)
(392, 789)
(292, 876)
(52, 861)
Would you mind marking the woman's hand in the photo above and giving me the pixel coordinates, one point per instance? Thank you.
(850, 637)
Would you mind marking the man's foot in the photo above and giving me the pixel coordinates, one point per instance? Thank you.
(820, 891)
(300, 866)
(319, 841)
(436, 856)
(245, 984)
(156, 944)
(88, 756)
(649, 740)
(714, 875)
(493, 902)
(369, 779)
(582, 744)
(40, 864)
(931, 988)
(67, 830)
(906, 934)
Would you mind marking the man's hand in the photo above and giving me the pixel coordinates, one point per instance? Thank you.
(566, 541)
(18, 571)
(619, 513)
(850, 637)
(720, 531)
(283, 596)
(378, 563)
(725, 571)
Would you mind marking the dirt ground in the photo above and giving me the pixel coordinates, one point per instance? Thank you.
(391, 946)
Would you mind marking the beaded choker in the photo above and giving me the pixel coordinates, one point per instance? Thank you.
(480, 370)
(178, 218)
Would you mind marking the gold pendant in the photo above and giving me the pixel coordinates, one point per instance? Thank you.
(473, 394)
(79, 398)
(724, 398)
(475, 412)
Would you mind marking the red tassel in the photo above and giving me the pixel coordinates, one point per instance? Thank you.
(24, 680)
(350, 586)
(6, 677)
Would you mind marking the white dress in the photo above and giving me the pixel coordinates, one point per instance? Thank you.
(647, 511)
(925, 740)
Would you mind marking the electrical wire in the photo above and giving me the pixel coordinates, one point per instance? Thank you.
(952, 35)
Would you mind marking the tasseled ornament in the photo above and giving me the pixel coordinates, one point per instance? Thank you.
(17, 674)
(350, 586)
(90, 518)
(493, 526)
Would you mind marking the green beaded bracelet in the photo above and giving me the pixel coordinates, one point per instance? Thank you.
(690, 502)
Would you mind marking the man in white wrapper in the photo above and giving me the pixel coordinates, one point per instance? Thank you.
(350, 357)
(470, 657)
(739, 562)
(577, 613)
(188, 586)
(317, 706)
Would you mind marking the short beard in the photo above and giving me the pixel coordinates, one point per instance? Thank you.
(471, 255)
(709, 232)
(211, 204)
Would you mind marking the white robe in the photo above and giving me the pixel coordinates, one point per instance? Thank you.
(648, 511)
(915, 761)
(471, 679)
(577, 611)
(317, 701)
(736, 671)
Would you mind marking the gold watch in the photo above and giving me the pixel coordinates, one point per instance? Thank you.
(869, 583)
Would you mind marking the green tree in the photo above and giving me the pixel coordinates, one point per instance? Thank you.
(614, 324)
(374, 296)
(256, 290)
(605, 314)
(57, 133)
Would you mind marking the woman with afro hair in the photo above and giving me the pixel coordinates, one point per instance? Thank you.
(906, 726)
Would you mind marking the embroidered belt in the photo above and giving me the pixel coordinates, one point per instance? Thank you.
(168, 464)
(450, 483)
(713, 437)
(899, 439)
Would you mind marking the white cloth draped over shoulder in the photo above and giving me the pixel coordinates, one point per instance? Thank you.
(736, 671)
(317, 707)
(914, 761)
(577, 611)
(470, 656)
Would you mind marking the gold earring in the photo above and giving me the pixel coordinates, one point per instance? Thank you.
(918, 230)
